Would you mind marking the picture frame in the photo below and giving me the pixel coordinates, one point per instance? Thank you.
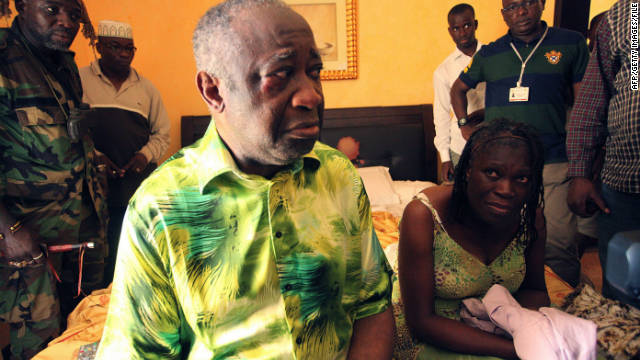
(335, 30)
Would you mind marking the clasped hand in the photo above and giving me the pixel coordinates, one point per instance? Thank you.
(136, 164)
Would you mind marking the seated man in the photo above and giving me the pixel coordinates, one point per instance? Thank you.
(257, 241)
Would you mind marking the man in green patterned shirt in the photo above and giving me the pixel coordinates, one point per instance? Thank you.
(257, 241)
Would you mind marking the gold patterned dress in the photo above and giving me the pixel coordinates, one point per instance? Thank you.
(458, 275)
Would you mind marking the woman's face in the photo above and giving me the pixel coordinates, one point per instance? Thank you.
(498, 182)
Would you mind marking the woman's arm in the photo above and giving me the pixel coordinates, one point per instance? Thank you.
(533, 291)
(415, 270)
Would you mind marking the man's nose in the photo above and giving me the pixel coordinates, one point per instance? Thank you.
(308, 95)
(522, 9)
(505, 188)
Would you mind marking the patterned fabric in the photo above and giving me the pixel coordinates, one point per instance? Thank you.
(47, 182)
(458, 275)
(42, 172)
(608, 107)
(216, 263)
(558, 63)
(618, 324)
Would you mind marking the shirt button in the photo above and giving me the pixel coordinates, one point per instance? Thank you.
(278, 234)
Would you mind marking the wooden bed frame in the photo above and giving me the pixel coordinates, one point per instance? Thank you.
(399, 137)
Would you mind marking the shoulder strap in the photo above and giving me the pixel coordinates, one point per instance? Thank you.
(426, 202)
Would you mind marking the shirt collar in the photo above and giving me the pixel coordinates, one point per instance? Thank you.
(97, 71)
(211, 159)
(517, 41)
(459, 52)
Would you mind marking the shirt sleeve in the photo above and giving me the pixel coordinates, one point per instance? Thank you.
(586, 130)
(160, 127)
(473, 73)
(375, 272)
(144, 320)
(442, 115)
(582, 59)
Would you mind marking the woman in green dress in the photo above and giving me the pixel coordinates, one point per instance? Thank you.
(456, 241)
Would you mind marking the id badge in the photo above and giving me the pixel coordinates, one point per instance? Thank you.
(519, 94)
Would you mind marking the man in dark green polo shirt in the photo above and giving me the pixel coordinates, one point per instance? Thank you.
(531, 74)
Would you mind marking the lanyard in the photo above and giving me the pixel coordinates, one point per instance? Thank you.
(524, 63)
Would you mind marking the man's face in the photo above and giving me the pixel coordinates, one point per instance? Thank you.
(51, 24)
(462, 28)
(116, 53)
(274, 102)
(524, 17)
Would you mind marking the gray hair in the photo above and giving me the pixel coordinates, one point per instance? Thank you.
(214, 40)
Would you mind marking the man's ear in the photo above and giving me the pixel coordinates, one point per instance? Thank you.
(209, 88)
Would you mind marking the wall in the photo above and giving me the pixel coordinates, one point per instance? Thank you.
(598, 6)
(400, 45)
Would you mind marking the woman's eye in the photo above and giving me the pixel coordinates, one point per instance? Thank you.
(491, 173)
(523, 179)
(50, 10)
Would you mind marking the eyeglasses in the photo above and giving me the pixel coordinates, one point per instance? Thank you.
(118, 49)
(515, 7)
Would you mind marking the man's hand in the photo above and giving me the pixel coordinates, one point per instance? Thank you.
(584, 199)
(373, 337)
(22, 245)
(137, 163)
(104, 164)
(467, 130)
(447, 171)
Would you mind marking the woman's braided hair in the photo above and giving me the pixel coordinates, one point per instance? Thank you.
(87, 28)
(501, 132)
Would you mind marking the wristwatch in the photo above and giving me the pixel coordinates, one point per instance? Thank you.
(462, 122)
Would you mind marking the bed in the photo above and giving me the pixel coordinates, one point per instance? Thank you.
(396, 159)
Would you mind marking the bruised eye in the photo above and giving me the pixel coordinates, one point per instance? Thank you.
(314, 73)
(282, 73)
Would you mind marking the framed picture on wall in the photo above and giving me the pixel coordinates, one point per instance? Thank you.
(334, 26)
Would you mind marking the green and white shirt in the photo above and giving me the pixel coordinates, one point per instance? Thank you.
(215, 263)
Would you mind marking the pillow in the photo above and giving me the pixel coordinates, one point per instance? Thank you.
(407, 189)
(378, 185)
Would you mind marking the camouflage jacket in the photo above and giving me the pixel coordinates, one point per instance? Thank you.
(43, 174)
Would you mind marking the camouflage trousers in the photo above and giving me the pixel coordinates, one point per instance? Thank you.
(35, 306)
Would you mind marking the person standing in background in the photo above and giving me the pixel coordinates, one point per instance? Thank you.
(48, 182)
(131, 129)
(532, 74)
(448, 140)
(607, 112)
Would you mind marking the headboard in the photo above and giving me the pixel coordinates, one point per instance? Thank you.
(399, 137)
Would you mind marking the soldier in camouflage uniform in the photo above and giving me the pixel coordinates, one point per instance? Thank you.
(49, 189)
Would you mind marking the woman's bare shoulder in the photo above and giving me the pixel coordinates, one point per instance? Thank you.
(439, 196)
